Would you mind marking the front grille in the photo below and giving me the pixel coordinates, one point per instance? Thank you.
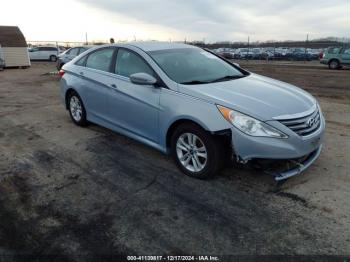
(305, 125)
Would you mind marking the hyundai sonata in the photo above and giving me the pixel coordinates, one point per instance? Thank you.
(194, 105)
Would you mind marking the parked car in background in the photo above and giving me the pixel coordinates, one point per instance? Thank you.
(336, 57)
(298, 54)
(69, 54)
(256, 53)
(44, 53)
(245, 53)
(267, 55)
(314, 53)
(194, 105)
(227, 54)
(2, 61)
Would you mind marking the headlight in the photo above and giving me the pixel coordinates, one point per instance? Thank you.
(249, 125)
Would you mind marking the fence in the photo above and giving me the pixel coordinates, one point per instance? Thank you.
(55, 43)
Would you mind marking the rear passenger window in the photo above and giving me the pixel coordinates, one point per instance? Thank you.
(347, 51)
(129, 63)
(100, 60)
(334, 50)
(74, 51)
(81, 61)
(82, 49)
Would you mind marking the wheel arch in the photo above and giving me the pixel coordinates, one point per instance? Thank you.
(172, 127)
(333, 59)
(66, 96)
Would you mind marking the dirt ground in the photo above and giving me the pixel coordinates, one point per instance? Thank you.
(68, 190)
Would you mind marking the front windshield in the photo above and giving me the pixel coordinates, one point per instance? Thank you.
(194, 66)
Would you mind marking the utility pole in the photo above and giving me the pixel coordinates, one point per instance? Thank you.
(306, 45)
(86, 38)
(248, 47)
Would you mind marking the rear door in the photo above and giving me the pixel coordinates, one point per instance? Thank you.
(95, 79)
(53, 51)
(345, 55)
(133, 107)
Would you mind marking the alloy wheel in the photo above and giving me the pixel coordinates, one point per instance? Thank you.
(191, 152)
(75, 108)
(334, 65)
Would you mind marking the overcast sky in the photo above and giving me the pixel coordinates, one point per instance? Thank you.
(220, 20)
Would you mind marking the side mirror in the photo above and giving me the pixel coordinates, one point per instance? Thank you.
(143, 79)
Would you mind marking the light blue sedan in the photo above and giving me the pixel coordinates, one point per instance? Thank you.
(194, 105)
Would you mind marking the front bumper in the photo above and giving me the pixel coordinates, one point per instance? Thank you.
(294, 147)
(300, 166)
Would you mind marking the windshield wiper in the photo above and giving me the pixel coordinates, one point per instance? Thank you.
(225, 78)
(194, 82)
(228, 77)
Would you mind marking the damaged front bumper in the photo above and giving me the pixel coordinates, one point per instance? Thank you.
(296, 152)
(298, 166)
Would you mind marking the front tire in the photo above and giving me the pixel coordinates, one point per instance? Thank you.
(196, 152)
(76, 109)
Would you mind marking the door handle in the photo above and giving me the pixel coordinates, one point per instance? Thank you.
(81, 73)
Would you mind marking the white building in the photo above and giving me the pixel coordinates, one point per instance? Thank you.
(13, 47)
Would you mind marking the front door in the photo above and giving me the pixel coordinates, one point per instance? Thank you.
(133, 107)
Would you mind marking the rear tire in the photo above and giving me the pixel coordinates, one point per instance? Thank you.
(53, 58)
(76, 109)
(334, 64)
(196, 152)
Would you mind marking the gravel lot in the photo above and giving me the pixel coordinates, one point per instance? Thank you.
(68, 190)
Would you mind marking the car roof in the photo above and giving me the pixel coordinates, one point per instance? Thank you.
(43, 46)
(80, 46)
(156, 46)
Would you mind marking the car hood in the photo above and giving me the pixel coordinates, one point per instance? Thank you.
(258, 96)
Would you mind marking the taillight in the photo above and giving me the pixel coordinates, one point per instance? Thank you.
(61, 72)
